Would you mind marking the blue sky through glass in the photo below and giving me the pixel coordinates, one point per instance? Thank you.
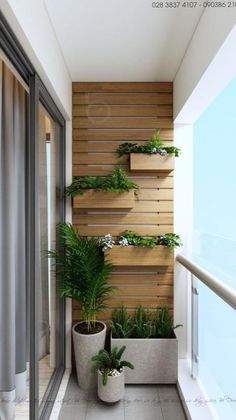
(215, 185)
(214, 245)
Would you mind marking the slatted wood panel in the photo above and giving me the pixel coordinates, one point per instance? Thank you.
(104, 116)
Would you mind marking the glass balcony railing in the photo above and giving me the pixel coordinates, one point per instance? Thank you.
(213, 339)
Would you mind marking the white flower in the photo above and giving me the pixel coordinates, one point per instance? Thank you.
(162, 152)
(106, 242)
(123, 241)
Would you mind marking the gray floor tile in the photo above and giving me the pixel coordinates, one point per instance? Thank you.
(141, 391)
(139, 410)
(141, 402)
(172, 411)
(170, 403)
(97, 410)
(168, 394)
(74, 394)
(73, 412)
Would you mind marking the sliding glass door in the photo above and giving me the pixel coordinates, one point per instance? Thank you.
(48, 218)
(32, 325)
(46, 194)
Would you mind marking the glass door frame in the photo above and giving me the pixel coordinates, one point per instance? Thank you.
(38, 94)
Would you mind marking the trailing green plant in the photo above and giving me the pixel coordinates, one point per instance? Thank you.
(142, 323)
(171, 240)
(163, 326)
(116, 182)
(153, 146)
(110, 364)
(131, 238)
(121, 323)
(82, 272)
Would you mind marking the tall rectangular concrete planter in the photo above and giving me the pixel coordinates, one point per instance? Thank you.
(155, 360)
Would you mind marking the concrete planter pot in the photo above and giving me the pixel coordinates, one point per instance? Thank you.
(85, 347)
(114, 390)
(155, 360)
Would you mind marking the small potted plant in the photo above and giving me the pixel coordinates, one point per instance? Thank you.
(110, 370)
(151, 335)
(152, 156)
(83, 275)
(135, 250)
(109, 192)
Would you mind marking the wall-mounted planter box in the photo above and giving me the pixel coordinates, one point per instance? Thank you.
(92, 199)
(155, 360)
(140, 256)
(151, 163)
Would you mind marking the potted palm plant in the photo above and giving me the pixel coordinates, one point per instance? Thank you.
(83, 275)
(150, 334)
(110, 370)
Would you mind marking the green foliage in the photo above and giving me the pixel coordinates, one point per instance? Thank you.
(121, 324)
(137, 240)
(153, 146)
(142, 323)
(171, 240)
(107, 362)
(116, 182)
(82, 272)
(163, 326)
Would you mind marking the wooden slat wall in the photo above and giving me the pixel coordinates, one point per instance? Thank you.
(104, 116)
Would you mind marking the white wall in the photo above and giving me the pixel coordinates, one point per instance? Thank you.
(30, 22)
(212, 30)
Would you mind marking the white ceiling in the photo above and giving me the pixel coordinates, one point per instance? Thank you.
(121, 40)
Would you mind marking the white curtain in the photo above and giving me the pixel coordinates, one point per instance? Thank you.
(13, 132)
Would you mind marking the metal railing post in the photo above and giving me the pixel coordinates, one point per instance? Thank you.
(194, 322)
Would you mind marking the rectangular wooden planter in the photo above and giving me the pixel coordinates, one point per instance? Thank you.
(155, 360)
(92, 199)
(140, 256)
(151, 163)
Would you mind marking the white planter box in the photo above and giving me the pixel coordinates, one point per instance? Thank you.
(155, 360)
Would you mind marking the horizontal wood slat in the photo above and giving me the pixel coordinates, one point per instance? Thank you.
(142, 278)
(144, 291)
(124, 219)
(99, 159)
(122, 87)
(122, 122)
(107, 315)
(122, 99)
(119, 134)
(147, 207)
(116, 230)
(122, 111)
(104, 116)
(100, 170)
(153, 182)
(104, 147)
